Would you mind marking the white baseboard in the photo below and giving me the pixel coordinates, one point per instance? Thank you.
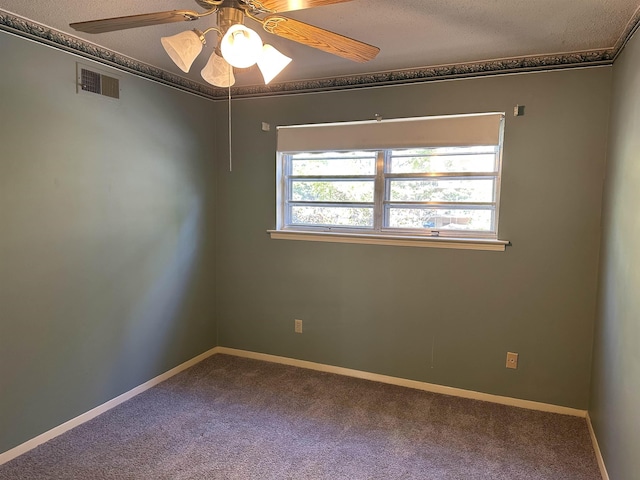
(596, 447)
(402, 382)
(80, 419)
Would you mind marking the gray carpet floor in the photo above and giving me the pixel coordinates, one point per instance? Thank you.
(234, 418)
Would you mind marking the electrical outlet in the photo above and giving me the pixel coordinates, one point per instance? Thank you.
(512, 360)
(298, 326)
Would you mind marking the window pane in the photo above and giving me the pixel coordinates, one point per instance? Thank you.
(416, 161)
(440, 219)
(473, 191)
(340, 216)
(446, 150)
(334, 163)
(332, 191)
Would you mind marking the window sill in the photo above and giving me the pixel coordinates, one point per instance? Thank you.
(401, 241)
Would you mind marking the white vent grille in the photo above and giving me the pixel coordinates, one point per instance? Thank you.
(89, 81)
(92, 81)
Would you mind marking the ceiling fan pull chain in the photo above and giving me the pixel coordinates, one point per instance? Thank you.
(230, 158)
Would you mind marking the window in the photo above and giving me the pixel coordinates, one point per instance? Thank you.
(430, 177)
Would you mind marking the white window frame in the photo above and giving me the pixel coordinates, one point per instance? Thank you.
(380, 233)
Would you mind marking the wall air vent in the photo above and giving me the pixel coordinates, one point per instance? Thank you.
(91, 80)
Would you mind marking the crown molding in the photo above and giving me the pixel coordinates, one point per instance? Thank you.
(439, 72)
(32, 30)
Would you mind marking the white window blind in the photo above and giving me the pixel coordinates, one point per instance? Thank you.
(450, 131)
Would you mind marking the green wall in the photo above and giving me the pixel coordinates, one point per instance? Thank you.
(615, 390)
(441, 316)
(106, 237)
(126, 250)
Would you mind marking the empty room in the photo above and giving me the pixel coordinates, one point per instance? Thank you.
(320, 239)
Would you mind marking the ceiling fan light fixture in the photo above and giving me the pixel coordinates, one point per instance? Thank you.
(218, 72)
(241, 47)
(183, 48)
(271, 62)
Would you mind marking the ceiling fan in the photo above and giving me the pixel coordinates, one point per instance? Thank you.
(239, 46)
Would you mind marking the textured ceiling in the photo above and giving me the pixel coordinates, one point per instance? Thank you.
(410, 33)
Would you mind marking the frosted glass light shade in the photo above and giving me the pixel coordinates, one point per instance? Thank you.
(183, 48)
(218, 72)
(271, 62)
(241, 46)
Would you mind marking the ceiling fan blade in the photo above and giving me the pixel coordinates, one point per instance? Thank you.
(319, 38)
(277, 6)
(134, 21)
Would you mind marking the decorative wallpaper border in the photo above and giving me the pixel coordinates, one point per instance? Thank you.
(440, 72)
(35, 31)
